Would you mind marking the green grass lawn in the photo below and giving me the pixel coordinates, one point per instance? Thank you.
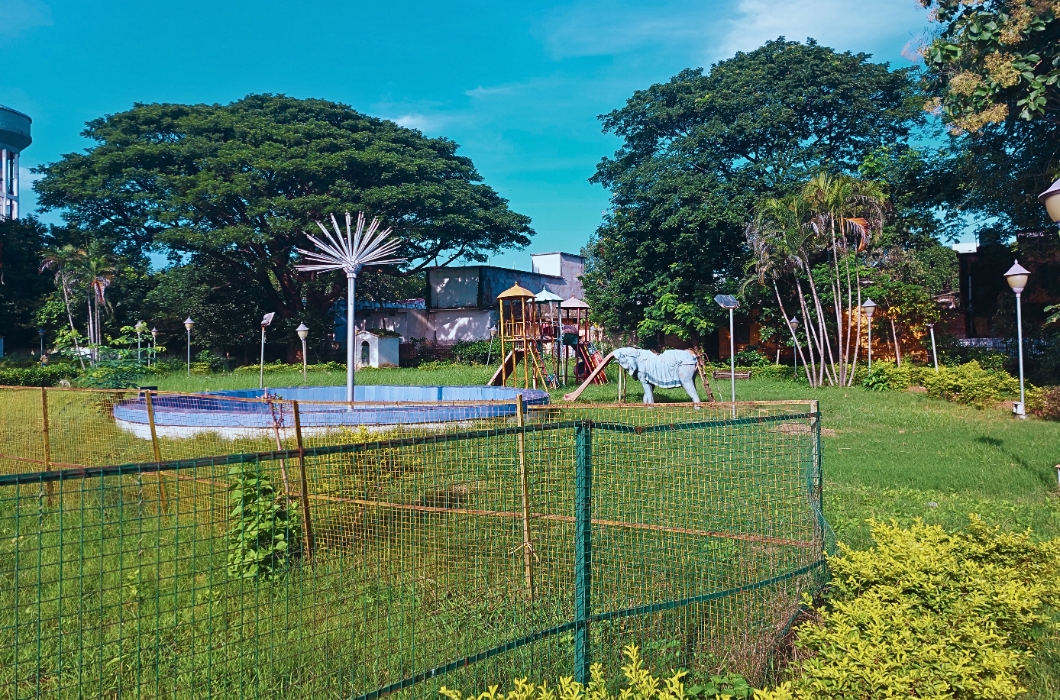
(887, 455)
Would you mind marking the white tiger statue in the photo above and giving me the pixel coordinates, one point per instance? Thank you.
(671, 369)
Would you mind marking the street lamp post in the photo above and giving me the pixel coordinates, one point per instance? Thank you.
(1017, 279)
(154, 346)
(793, 324)
(727, 301)
(265, 321)
(40, 332)
(188, 323)
(869, 307)
(934, 352)
(303, 333)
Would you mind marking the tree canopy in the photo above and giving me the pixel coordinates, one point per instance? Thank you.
(699, 150)
(236, 186)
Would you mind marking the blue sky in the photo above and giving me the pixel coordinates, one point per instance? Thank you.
(518, 85)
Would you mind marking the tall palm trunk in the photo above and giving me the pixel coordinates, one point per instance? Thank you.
(64, 285)
(794, 337)
(897, 347)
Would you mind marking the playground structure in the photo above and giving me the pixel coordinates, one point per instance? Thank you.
(534, 327)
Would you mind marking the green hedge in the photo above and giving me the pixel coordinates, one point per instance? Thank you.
(49, 375)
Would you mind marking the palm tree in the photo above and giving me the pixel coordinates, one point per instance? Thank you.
(834, 216)
(64, 261)
(98, 270)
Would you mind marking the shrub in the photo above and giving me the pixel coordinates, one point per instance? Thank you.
(1044, 402)
(474, 352)
(929, 614)
(750, 357)
(263, 535)
(639, 684)
(970, 384)
(49, 375)
(120, 373)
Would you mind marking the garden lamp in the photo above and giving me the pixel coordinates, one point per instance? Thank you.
(154, 343)
(793, 324)
(40, 332)
(188, 323)
(727, 301)
(303, 333)
(869, 307)
(139, 328)
(266, 320)
(1051, 201)
(1017, 279)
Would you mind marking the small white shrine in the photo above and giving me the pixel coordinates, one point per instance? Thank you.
(372, 351)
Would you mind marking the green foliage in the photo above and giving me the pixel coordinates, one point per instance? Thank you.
(237, 186)
(700, 149)
(638, 684)
(277, 367)
(38, 375)
(1044, 402)
(993, 59)
(23, 291)
(928, 613)
(970, 384)
(751, 357)
(889, 376)
(117, 373)
(474, 352)
(263, 532)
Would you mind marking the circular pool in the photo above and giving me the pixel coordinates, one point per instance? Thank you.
(257, 412)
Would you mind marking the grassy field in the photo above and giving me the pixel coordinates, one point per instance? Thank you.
(887, 455)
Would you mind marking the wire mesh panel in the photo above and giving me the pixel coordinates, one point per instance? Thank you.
(391, 567)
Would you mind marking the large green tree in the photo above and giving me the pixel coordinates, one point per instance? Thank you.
(22, 289)
(993, 68)
(701, 149)
(236, 187)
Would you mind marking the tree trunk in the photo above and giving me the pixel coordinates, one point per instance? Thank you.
(795, 339)
(897, 347)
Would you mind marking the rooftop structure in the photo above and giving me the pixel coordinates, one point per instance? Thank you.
(14, 138)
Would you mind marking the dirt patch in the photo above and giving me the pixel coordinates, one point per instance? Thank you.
(917, 390)
(803, 429)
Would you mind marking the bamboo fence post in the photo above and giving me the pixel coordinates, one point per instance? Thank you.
(49, 487)
(279, 447)
(304, 486)
(162, 496)
(528, 549)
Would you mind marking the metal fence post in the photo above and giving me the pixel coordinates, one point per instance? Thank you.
(47, 441)
(528, 550)
(304, 486)
(583, 560)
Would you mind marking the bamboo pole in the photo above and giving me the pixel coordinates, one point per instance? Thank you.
(528, 549)
(49, 488)
(504, 358)
(304, 484)
(157, 449)
(279, 446)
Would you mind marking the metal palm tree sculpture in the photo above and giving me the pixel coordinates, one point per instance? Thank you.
(358, 248)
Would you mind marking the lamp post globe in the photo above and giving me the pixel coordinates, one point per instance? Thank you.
(154, 344)
(1017, 278)
(40, 332)
(303, 333)
(727, 301)
(139, 328)
(1051, 200)
(793, 324)
(188, 323)
(869, 307)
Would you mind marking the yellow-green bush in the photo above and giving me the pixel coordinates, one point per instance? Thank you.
(639, 684)
(970, 384)
(927, 614)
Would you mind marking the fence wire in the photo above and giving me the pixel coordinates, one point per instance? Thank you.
(393, 566)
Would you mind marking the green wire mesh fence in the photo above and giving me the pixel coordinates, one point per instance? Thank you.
(396, 566)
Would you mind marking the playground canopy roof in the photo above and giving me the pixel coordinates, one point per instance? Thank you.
(545, 297)
(516, 292)
(573, 303)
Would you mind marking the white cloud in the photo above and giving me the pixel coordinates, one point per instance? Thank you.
(485, 92)
(867, 25)
(423, 122)
(16, 16)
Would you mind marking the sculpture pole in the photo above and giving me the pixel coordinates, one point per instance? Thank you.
(351, 282)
